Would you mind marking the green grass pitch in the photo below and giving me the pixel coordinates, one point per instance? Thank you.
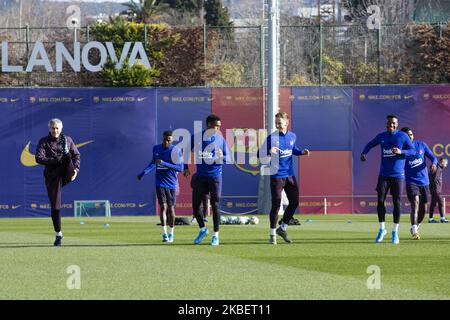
(329, 259)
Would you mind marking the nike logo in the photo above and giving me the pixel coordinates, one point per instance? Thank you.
(15, 207)
(337, 204)
(141, 99)
(78, 99)
(15, 99)
(28, 159)
(407, 97)
(142, 205)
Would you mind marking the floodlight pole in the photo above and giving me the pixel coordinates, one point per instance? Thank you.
(264, 199)
(274, 57)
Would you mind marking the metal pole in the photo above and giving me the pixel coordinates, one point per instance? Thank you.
(27, 44)
(261, 55)
(320, 53)
(145, 36)
(27, 41)
(284, 77)
(379, 54)
(20, 13)
(204, 45)
(319, 18)
(273, 105)
(325, 206)
(264, 201)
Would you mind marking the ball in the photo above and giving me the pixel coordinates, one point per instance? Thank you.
(254, 220)
(243, 220)
(223, 220)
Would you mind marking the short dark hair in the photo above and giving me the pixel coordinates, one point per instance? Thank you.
(212, 118)
(390, 116)
(282, 115)
(406, 129)
(167, 133)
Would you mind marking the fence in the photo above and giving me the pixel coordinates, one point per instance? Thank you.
(309, 55)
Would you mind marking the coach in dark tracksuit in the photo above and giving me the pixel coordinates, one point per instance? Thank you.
(436, 189)
(61, 159)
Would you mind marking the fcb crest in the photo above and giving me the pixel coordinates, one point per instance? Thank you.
(246, 142)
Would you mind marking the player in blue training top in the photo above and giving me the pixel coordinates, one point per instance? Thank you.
(395, 145)
(168, 161)
(282, 145)
(417, 181)
(210, 153)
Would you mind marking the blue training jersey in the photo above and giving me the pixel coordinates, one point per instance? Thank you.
(166, 172)
(287, 145)
(206, 147)
(416, 166)
(392, 165)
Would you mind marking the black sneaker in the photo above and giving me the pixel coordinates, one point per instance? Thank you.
(292, 222)
(273, 240)
(284, 235)
(64, 146)
(57, 242)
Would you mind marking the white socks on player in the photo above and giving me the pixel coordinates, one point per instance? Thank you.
(216, 234)
(395, 227)
(59, 234)
(273, 232)
(382, 226)
(414, 228)
(171, 230)
(164, 229)
(283, 226)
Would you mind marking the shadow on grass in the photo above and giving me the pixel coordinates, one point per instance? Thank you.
(331, 241)
(95, 245)
(224, 243)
